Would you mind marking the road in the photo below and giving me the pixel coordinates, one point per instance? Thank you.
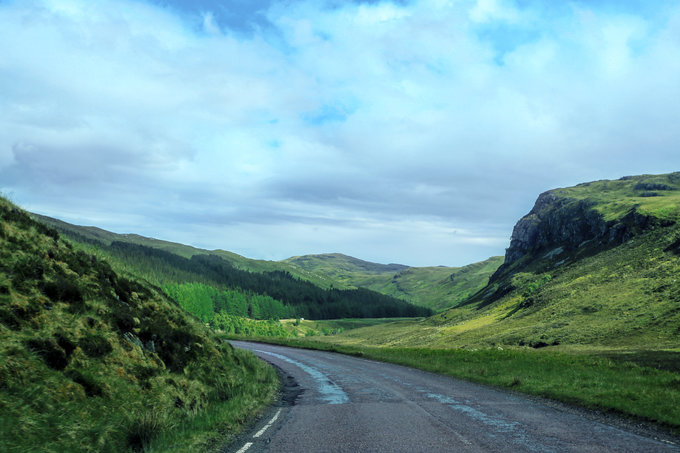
(338, 403)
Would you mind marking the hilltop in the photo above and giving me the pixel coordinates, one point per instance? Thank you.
(91, 360)
(595, 265)
(435, 287)
(340, 266)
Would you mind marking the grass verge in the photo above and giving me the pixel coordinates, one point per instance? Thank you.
(607, 384)
(219, 423)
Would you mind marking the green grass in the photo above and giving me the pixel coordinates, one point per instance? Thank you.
(614, 199)
(93, 361)
(609, 382)
(216, 425)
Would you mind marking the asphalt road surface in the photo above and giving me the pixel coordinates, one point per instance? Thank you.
(337, 403)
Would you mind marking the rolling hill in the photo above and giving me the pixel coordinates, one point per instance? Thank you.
(98, 237)
(595, 265)
(208, 282)
(438, 288)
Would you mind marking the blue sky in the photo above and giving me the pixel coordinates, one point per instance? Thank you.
(415, 131)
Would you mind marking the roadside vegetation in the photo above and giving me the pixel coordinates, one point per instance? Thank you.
(94, 361)
(243, 328)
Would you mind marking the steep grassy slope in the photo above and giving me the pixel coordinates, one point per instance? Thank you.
(438, 288)
(92, 361)
(594, 265)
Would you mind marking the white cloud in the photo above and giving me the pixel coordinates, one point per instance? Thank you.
(209, 24)
(494, 10)
(334, 125)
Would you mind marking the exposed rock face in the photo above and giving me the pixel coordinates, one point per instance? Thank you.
(555, 221)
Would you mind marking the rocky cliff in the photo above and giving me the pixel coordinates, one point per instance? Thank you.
(598, 214)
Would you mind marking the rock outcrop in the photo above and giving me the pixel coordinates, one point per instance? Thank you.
(569, 223)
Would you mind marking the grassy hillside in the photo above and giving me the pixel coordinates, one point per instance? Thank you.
(654, 195)
(98, 237)
(342, 267)
(438, 288)
(93, 361)
(613, 290)
(207, 283)
(625, 297)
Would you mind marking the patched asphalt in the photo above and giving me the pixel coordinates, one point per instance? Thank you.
(336, 403)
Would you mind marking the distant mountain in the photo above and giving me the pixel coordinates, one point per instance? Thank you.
(438, 287)
(594, 264)
(339, 266)
(91, 360)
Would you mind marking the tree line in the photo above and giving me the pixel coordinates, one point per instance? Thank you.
(267, 295)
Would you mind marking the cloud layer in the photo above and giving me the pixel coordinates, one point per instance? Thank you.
(414, 132)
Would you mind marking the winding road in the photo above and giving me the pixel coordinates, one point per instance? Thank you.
(337, 403)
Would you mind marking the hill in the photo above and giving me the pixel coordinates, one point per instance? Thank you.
(341, 267)
(437, 288)
(595, 266)
(208, 283)
(94, 361)
(98, 237)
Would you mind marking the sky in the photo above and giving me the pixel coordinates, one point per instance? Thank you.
(413, 131)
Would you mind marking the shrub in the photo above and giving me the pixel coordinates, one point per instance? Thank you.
(62, 289)
(123, 318)
(95, 346)
(26, 269)
(145, 426)
(65, 290)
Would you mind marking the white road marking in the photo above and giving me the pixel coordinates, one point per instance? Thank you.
(266, 427)
(245, 447)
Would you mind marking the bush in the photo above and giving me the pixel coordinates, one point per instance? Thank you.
(95, 346)
(64, 290)
(145, 426)
(26, 269)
